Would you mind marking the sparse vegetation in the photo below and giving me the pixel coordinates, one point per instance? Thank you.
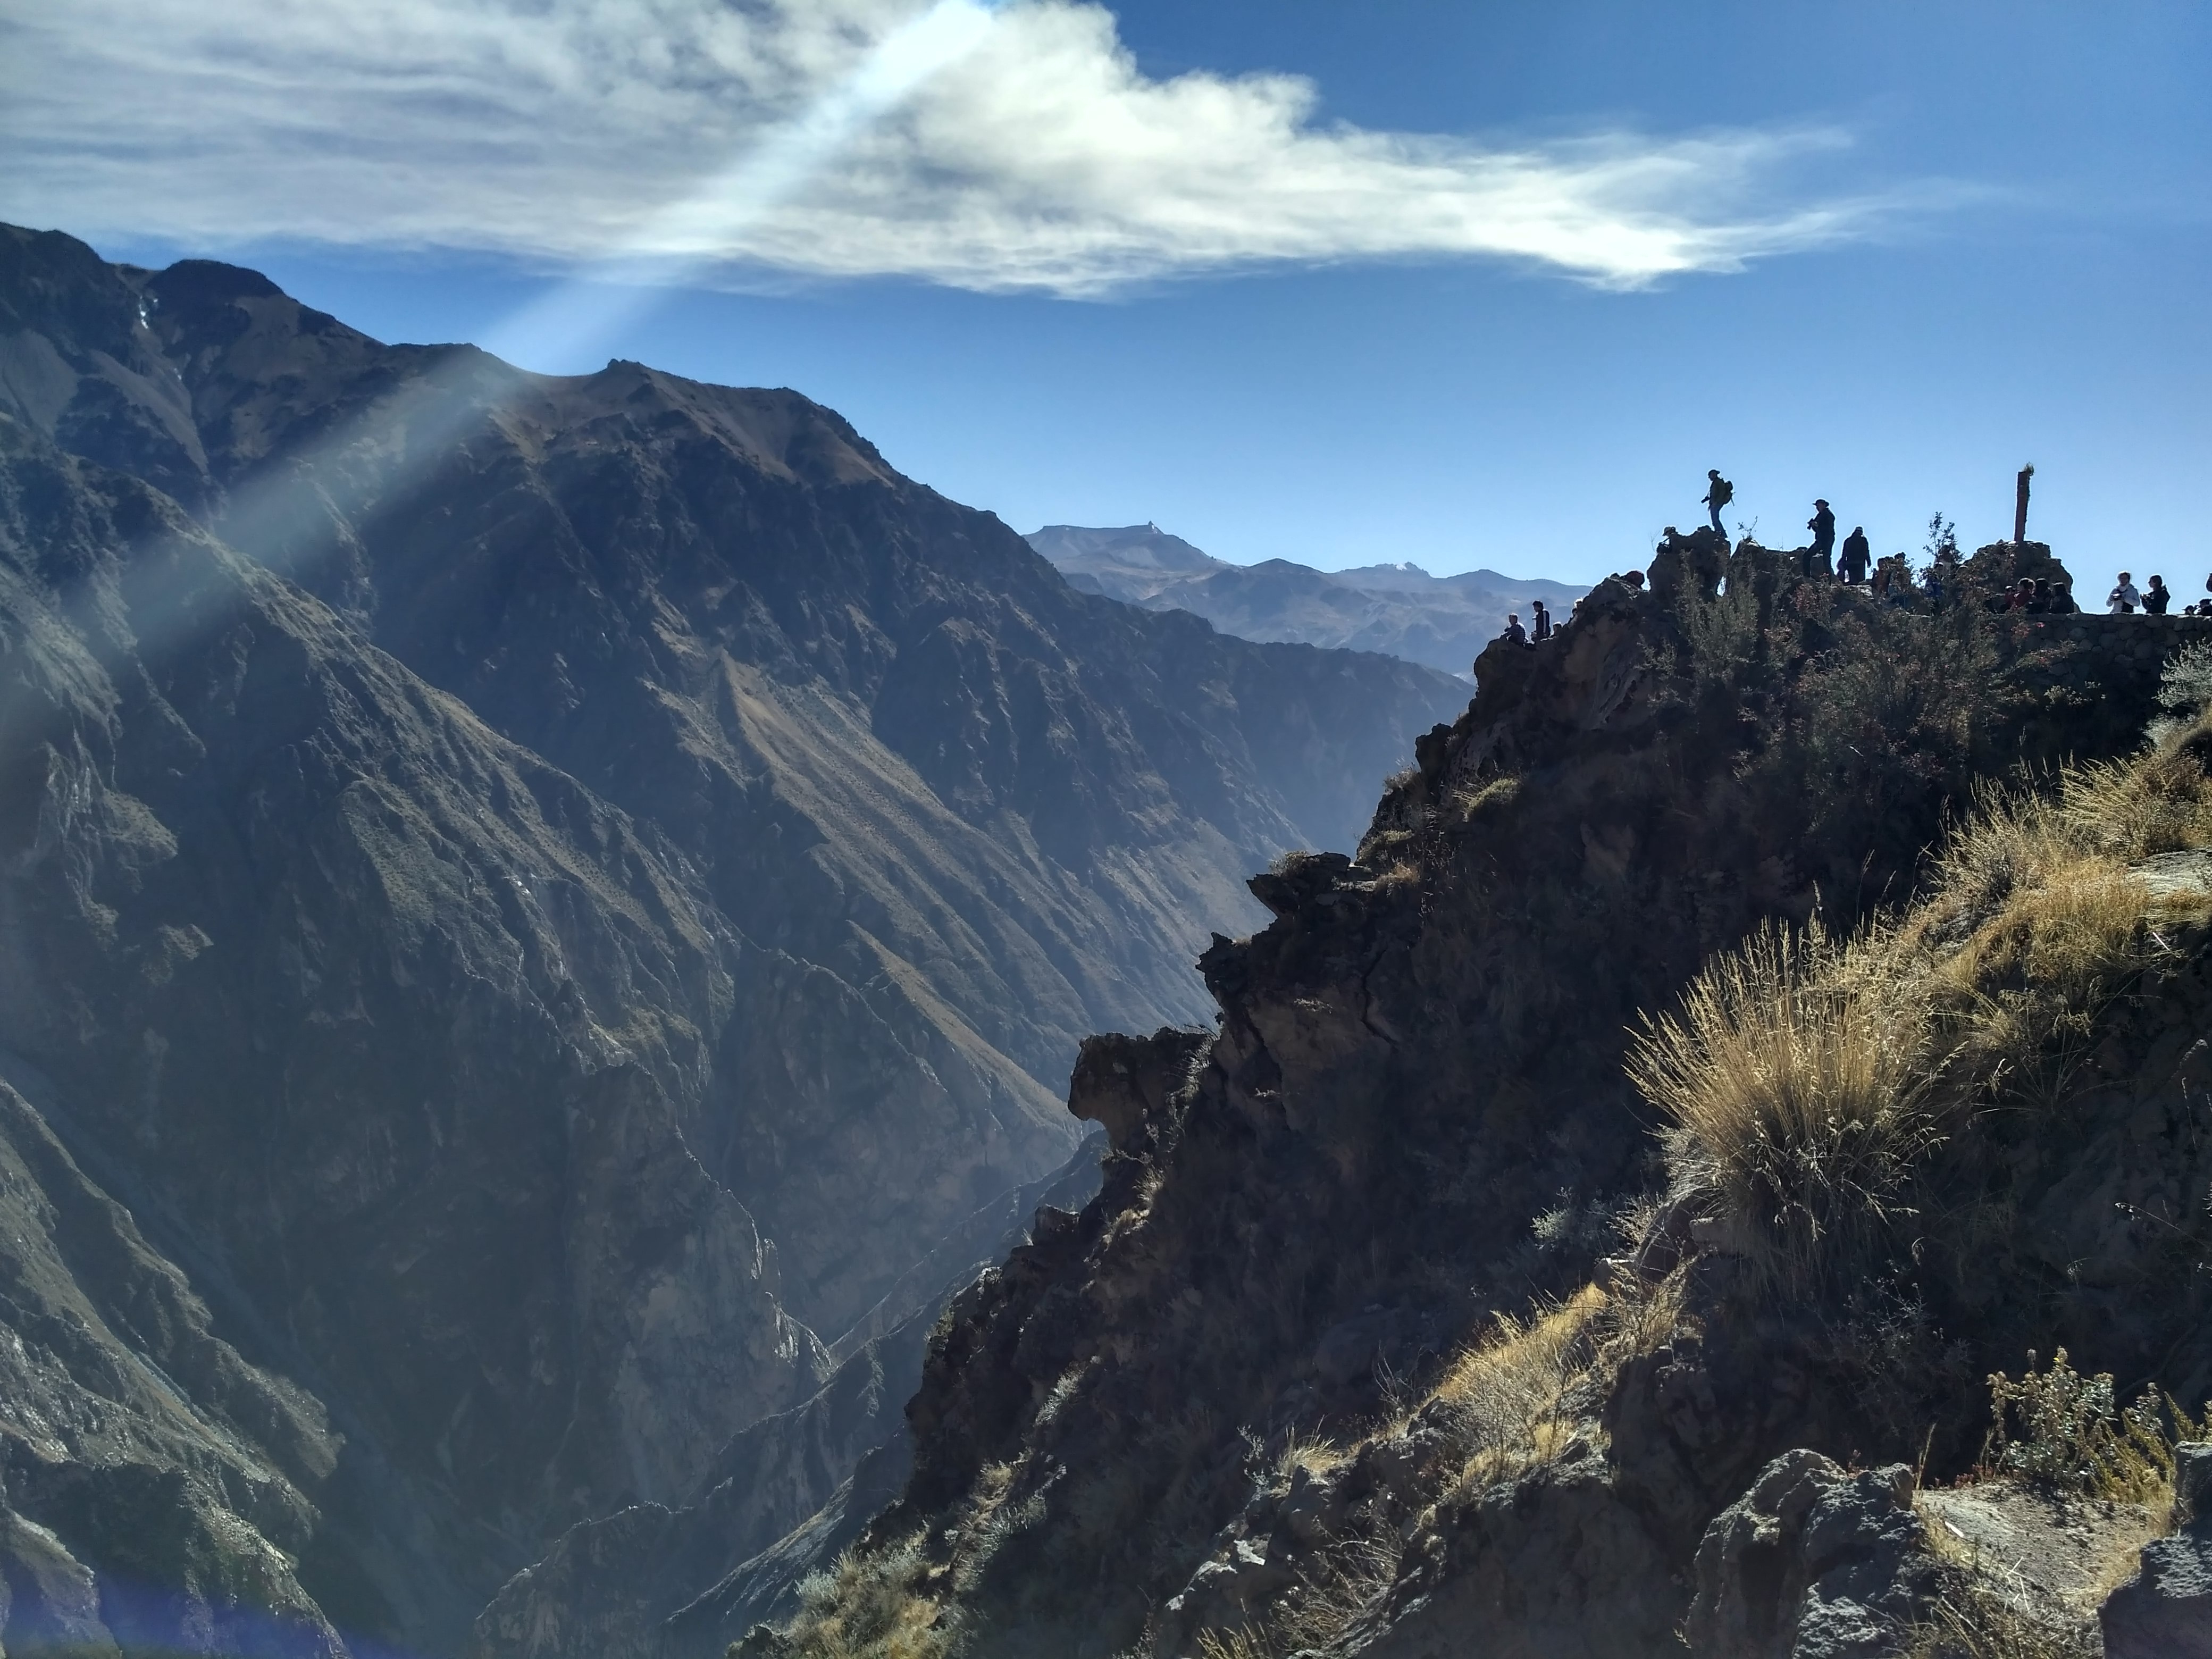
(1504, 1400)
(1976, 1624)
(1793, 1078)
(870, 1606)
(2060, 1430)
(1808, 1078)
(2185, 692)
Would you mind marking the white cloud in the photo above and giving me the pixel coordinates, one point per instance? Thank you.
(1015, 148)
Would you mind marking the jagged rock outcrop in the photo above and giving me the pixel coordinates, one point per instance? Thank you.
(1313, 1372)
(1812, 1563)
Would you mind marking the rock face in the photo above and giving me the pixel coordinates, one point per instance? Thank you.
(1814, 1564)
(2166, 1609)
(1347, 1356)
(1443, 621)
(539, 897)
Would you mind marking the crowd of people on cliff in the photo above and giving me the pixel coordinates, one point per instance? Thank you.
(1892, 581)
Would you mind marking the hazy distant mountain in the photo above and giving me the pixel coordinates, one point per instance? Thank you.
(1442, 621)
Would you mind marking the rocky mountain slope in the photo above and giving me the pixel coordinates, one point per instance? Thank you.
(1443, 621)
(1697, 1130)
(532, 911)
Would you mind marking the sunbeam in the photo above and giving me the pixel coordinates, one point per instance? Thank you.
(603, 298)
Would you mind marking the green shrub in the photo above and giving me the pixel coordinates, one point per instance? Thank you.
(2061, 1431)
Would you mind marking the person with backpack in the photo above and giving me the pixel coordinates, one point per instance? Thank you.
(1719, 492)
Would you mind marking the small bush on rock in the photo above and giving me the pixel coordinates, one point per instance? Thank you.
(2060, 1430)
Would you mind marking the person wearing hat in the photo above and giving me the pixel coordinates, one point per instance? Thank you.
(1719, 492)
(1820, 557)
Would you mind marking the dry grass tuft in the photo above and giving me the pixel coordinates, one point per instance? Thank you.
(1504, 1399)
(1795, 1080)
(1974, 1624)
(1808, 1078)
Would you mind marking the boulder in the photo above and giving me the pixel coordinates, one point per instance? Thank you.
(2165, 1612)
(1812, 1563)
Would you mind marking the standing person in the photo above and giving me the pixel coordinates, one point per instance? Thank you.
(1818, 559)
(2122, 600)
(1542, 630)
(2157, 596)
(1856, 555)
(1719, 492)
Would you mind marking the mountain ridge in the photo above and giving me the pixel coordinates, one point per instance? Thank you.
(1442, 622)
(564, 887)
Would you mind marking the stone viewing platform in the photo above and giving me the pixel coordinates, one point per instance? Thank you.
(2138, 636)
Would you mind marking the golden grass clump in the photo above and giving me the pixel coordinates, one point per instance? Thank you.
(1504, 1399)
(1807, 1079)
(1795, 1080)
(2036, 922)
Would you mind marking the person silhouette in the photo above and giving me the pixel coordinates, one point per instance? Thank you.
(1719, 492)
(1857, 555)
(1819, 556)
(1542, 629)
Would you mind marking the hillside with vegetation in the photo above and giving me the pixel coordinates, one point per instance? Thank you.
(1726, 1164)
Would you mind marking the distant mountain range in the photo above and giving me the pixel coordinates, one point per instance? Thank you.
(1442, 621)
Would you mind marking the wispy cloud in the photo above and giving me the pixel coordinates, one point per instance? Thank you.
(733, 137)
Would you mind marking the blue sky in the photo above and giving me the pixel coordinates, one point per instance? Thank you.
(1902, 249)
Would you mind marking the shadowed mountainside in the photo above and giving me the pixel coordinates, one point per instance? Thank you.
(539, 894)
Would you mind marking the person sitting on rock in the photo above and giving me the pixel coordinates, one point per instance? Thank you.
(2157, 596)
(1819, 557)
(2016, 596)
(1542, 630)
(1719, 492)
(1514, 634)
(1857, 555)
(2124, 598)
